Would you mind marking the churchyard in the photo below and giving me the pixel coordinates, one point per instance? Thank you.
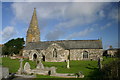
(88, 68)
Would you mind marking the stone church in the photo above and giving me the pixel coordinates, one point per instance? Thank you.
(61, 50)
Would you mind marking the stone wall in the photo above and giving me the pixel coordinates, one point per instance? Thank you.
(77, 54)
(112, 53)
(55, 53)
(62, 55)
(30, 54)
(26, 53)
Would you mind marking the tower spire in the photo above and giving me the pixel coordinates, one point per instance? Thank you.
(34, 21)
(33, 33)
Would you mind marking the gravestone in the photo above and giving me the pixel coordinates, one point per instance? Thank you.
(40, 65)
(20, 70)
(27, 67)
(4, 72)
(52, 71)
(68, 64)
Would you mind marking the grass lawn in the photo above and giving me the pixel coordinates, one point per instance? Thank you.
(14, 65)
(88, 68)
(75, 66)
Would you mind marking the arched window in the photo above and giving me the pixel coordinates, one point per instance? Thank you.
(54, 53)
(85, 54)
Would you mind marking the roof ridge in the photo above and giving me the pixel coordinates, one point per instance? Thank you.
(70, 40)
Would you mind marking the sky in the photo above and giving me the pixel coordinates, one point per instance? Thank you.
(62, 21)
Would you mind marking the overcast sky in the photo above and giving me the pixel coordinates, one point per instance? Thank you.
(62, 21)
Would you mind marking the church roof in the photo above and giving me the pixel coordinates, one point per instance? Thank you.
(66, 44)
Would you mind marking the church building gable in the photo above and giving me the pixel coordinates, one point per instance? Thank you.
(56, 53)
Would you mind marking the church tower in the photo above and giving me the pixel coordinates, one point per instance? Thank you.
(33, 33)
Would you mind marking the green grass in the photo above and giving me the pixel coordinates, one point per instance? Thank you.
(13, 65)
(75, 66)
(88, 68)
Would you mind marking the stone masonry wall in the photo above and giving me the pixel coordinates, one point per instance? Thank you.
(62, 54)
(77, 54)
(112, 53)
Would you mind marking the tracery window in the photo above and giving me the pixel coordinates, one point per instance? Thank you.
(54, 52)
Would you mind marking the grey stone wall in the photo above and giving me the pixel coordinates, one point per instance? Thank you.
(112, 53)
(62, 54)
(77, 54)
(30, 53)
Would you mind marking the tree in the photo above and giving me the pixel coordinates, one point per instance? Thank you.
(13, 46)
(118, 53)
(112, 70)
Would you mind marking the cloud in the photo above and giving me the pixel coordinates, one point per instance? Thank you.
(8, 32)
(85, 11)
(23, 11)
(66, 16)
(54, 35)
(70, 24)
(101, 13)
(81, 33)
(106, 26)
(113, 14)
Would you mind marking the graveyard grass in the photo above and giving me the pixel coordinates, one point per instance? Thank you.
(88, 68)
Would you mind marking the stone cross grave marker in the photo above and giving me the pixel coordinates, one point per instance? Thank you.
(40, 65)
(20, 71)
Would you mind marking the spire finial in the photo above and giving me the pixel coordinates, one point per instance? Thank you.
(34, 13)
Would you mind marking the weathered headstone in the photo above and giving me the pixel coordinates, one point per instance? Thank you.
(53, 70)
(40, 65)
(27, 67)
(68, 64)
(20, 70)
(4, 72)
(79, 75)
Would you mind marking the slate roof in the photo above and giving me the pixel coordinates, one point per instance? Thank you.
(66, 44)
